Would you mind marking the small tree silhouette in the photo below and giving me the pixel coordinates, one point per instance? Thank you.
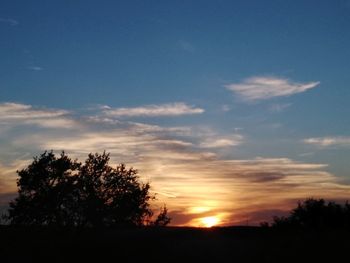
(59, 191)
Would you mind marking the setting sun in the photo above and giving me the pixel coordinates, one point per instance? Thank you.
(209, 221)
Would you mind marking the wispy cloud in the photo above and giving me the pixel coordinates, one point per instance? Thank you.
(36, 68)
(328, 141)
(279, 107)
(261, 88)
(186, 46)
(225, 108)
(170, 109)
(306, 154)
(228, 141)
(9, 21)
(10, 111)
(20, 114)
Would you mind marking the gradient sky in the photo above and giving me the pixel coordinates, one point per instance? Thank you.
(230, 109)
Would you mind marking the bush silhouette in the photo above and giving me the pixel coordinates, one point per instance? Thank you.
(63, 192)
(316, 213)
(162, 219)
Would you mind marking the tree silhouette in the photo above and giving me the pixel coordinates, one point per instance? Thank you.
(59, 191)
(111, 196)
(46, 194)
(316, 213)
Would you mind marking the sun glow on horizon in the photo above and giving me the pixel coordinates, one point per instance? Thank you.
(199, 209)
(209, 221)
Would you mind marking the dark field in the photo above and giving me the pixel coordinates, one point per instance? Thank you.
(235, 244)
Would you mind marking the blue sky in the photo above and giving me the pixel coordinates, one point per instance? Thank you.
(224, 82)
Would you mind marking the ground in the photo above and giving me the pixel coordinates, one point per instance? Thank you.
(172, 244)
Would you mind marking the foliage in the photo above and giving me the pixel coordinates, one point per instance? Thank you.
(316, 213)
(59, 191)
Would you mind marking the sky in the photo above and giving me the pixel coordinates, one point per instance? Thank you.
(232, 110)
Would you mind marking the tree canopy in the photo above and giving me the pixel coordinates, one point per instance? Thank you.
(61, 191)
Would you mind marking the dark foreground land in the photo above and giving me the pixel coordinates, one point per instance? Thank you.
(234, 244)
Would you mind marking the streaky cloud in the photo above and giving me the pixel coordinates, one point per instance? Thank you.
(13, 111)
(228, 141)
(14, 114)
(169, 109)
(9, 21)
(279, 107)
(262, 88)
(36, 68)
(338, 141)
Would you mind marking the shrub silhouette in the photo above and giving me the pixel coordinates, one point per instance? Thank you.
(63, 192)
(316, 213)
(162, 219)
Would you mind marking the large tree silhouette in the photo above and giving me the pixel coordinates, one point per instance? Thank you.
(60, 191)
(46, 192)
(109, 196)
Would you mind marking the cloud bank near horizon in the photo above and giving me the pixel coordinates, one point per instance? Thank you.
(183, 163)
